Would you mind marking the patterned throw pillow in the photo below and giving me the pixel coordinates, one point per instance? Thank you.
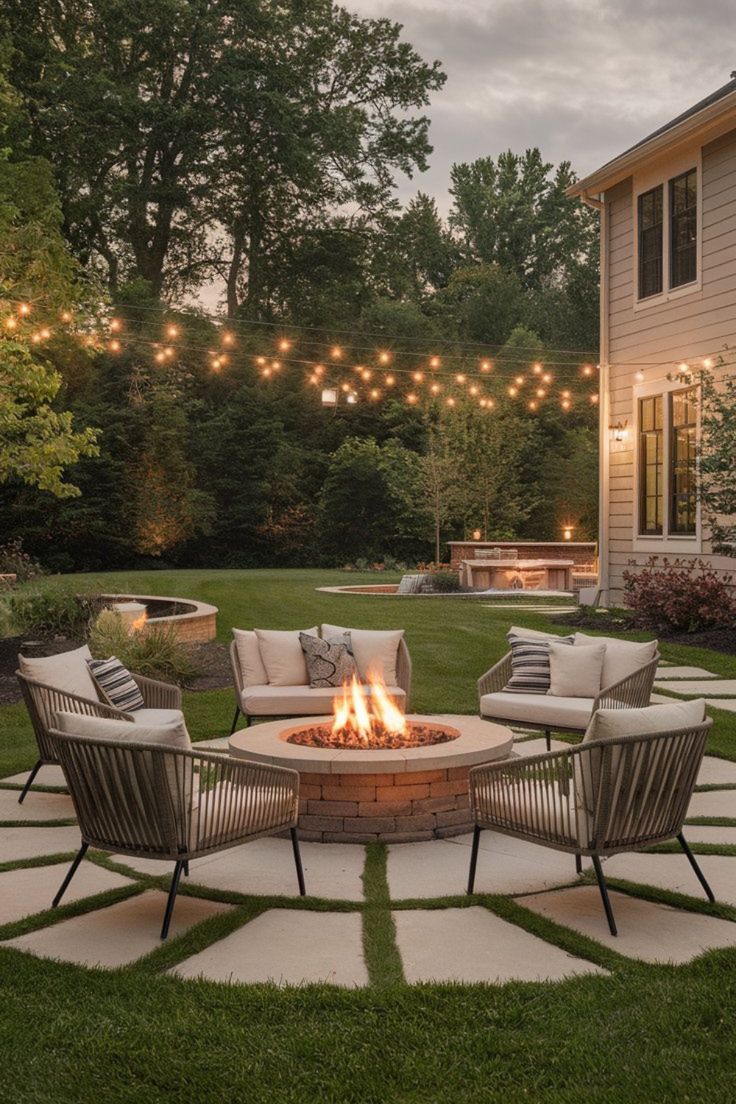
(329, 661)
(116, 683)
(530, 672)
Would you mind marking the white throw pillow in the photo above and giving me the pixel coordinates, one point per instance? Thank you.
(282, 656)
(575, 672)
(608, 724)
(374, 650)
(67, 671)
(249, 655)
(623, 657)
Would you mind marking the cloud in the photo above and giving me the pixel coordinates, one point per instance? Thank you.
(581, 79)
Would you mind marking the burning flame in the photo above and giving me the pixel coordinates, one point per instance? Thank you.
(138, 623)
(370, 717)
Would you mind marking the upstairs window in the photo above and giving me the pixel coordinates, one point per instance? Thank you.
(683, 228)
(651, 242)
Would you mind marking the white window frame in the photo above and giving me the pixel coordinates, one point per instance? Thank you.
(644, 182)
(670, 543)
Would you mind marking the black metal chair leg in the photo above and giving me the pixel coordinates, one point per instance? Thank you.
(548, 739)
(172, 897)
(578, 864)
(186, 868)
(29, 781)
(474, 857)
(696, 867)
(298, 861)
(604, 894)
(235, 719)
(70, 874)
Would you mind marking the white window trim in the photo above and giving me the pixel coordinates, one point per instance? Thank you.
(644, 182)
(670, 543)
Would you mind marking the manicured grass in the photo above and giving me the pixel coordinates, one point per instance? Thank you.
(635, 1033)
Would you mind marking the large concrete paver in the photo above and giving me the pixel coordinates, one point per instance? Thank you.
(728, 705)
(673, 872)
(472, 944)
(703, 833)
(49, 775)
(265, 867)
(118, 934)
(713, 803)
(675, 672)
(646, 930)
(439, 868)
(29, 890)
(705, 688)
(714, 771)
(29, 843)
(37, 806)
(286, 947)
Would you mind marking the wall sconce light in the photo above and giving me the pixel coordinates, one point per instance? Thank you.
(567, 531)
(351, 398)
(619, 432)
(476, 534)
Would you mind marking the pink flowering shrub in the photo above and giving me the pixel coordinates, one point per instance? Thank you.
(680, 596)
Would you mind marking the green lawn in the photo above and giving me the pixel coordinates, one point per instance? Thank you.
(640, 1033)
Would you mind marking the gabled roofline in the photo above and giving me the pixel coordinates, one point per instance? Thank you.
(705, 116)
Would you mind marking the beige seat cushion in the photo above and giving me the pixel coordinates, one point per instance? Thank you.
(282, 656)
(539, 710)
(575, 672)
(67, 671)
(295, 701)
(375, 650)
(622, 658)
(249, 655)
(228, 812)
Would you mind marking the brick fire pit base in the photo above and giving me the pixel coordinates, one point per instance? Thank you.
(396, 796)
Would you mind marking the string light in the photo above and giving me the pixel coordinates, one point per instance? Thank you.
(565, 404)
(450, 401)
(541, 392)
(24, 309)
(11, 323)
(384, 358)
(513, 392)
(537, 369)
(172, 331)
(366, 374)
(66, 316)
(276, 365)
(319, 370)
(485, 366)
(169, 353)
(36, 338)
(547, 377)
(411, 398)
(159, 357)
(520, 381)
(115, 323)
(345, 387)
(417, 376)
(460, 378)
(228, 338)
(217, 365)
(587, 370)
(435, 389)
(473, 390)
(284, 345)
(594, 398)
(114, 346)
(266, 372)
(260, 361)
(390, 381)
(707, 362)
(45, 333)
(375, 393)
(532, 405)
(434, 362)
(336, 352)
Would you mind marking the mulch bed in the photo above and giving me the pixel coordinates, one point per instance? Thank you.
(212, 661)
(719, 640)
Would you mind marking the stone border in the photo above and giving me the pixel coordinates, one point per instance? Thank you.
(195, 627)
(390, 590)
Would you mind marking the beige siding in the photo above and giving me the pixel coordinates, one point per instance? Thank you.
(683, 328)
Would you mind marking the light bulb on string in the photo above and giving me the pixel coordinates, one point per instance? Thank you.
(336, 352)
(11, 323)
(228, 338)
(24, 309)
(411, 398)
(284, 345)
(36, 338)
(266, 372)
(384, 357)
(169, 353)
(532, 405)
(707, 362)
(450, 401)
(172, 331)
(66, 316)
(116, 325)
(319, 370)
(345, 387)
(485, 366)
(566, 394)
(159, 357)
(276, 365)
(435, 389)
(390, 381)
(473, 390)
(434, 362)
(417, 376)
(375, 393)
(260, 361)
(513, 392)
(594, 398)
(45, 333)
(587, 370)
(520, 381)
(547, 377)
(114, 346)
(537, 369)
(541, 392)
(565, 404)
(460, 377)
(366, 374)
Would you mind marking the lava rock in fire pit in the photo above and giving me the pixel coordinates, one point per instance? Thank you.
(379, 739)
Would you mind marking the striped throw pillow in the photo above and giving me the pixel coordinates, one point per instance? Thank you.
(530, 673)
(116, 683)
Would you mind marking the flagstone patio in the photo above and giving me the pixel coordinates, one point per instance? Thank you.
(321, 938)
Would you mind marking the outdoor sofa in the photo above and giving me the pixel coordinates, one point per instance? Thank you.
(270, 677)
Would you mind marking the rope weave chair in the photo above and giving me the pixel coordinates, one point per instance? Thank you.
(148, 801)
(43, 702)
(599, 798)
(403, 679)
(632, 692)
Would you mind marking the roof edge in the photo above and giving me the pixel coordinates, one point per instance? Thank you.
(691, 123)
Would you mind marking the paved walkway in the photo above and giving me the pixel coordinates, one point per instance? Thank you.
(244, 921)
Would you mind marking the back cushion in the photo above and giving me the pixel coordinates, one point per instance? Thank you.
(67, 671)
(575, 672)
(530, 661)
(375, 650)
(534, 634)
(623, 657)
(116, 683)
(249, 655)
(608, 724)
(282, 656)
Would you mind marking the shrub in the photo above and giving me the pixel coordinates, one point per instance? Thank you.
(681, 597)
(52, 612)
(155, 652)
(14, 561)
(446, 582)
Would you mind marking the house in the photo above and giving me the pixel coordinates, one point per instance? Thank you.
(668, 308)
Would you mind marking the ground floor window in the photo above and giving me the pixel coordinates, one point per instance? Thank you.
(667, 463)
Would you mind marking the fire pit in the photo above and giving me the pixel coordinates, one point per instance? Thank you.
(371, 773)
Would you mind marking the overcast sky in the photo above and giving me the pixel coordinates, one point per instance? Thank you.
(581, 79)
